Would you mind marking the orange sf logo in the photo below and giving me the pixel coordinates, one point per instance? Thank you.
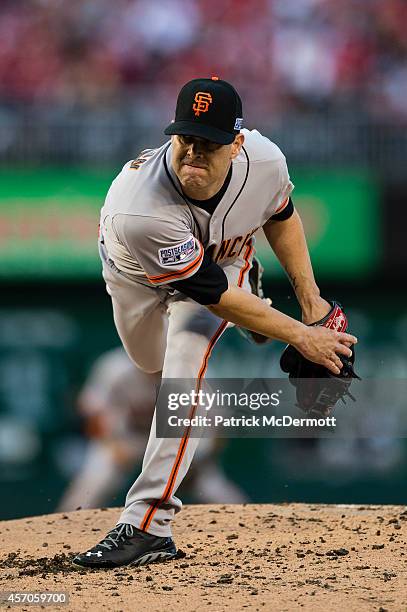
(202, 99)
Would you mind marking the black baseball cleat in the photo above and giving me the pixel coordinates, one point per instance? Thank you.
(255, 275)
(126, 545)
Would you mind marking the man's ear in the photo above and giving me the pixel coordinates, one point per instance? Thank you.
(237, 145)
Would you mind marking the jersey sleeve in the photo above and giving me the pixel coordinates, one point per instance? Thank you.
(167, 251)
(205, 286)
(285, 188)
(285, 213)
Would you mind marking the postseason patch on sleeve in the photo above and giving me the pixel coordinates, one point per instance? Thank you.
(169, 256)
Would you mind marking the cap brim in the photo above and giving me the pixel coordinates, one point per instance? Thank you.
(192, 128)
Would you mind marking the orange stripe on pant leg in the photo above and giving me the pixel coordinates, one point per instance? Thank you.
(181, 450)
(145, 523)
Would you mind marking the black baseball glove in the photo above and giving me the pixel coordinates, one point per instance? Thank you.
(317, 389)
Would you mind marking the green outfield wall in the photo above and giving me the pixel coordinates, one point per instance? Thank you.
(49, 222)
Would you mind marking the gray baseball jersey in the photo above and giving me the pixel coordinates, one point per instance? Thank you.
(151, 236)
(154, 236)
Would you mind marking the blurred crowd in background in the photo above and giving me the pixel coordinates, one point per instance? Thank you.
(123, 62)
(297, 55)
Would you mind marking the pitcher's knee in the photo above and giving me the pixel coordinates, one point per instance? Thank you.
(149, 364)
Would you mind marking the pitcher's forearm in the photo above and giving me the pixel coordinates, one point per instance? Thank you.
(244, 309)
(287, 239)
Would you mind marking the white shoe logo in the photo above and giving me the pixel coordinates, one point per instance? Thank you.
(98, 553)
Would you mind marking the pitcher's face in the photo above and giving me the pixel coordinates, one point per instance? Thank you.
(201, 164)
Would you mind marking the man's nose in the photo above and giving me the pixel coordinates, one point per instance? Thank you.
(194, 150)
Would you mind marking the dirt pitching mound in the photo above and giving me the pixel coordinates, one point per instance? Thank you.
(280, 557)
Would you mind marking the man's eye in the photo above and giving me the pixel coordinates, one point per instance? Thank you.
(207, 146)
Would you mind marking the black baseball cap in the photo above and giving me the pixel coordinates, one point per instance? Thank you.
(208, 108)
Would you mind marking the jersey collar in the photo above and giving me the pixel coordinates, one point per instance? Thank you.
(237, 183)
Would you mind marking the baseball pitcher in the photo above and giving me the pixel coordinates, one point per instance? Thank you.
(177, 236)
